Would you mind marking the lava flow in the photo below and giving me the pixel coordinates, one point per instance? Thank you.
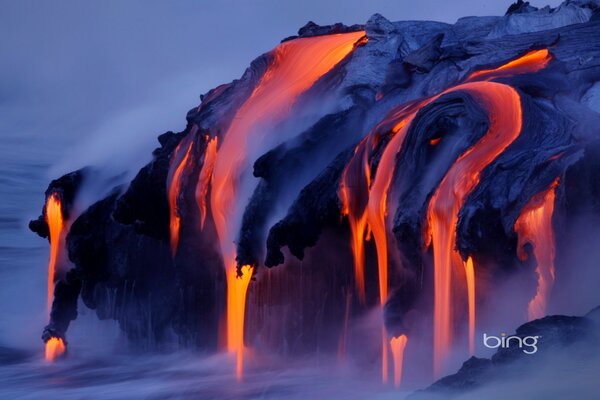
(178, 165)
(376, 214)
(354, 195)
(503, 106)
(54, 218)
(531, 62)
(504, 109)
(534, 227)
(204, 178)
(296, 65)
(398, 344)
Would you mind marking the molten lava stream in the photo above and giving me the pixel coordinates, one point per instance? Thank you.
(178, 165)
(354, 195)
(398, 344)
(534, 226)
(504, 108)
(531, 62)
(204, 179)
(296, 65)
(376, 217)
(54, 218)
(237, 287)
(470, 277)
(55, 347)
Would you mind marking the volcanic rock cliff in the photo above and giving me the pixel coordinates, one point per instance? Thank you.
(437, 142)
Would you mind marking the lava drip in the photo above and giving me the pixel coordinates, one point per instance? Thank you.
(503, 105)
(534, 227)
(398, 345)
(470, 279)
(354, 195)
(181, 158)
(296, 65)
(55, 347)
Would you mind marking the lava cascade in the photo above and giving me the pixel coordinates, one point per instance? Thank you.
(54, 218)
(354, 192)
(296, 65)
(204, 178)
(178, 166)
(503, 105)
(534, 226)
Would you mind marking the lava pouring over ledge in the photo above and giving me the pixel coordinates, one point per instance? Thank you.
(534, 226)
(178, 165)
(503, 105)
(354, 195)
(204, 178)
(504, 108)
(296, 66)
(54, 218)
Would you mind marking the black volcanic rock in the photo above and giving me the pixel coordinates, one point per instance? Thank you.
(312, 29)
(317, 206)
(286, 170)
(559, 336)
(520, 7)
(144, 205)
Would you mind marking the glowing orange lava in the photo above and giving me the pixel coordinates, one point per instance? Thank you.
(398, 344)
(470, 278)
(204, 178)
(354, 195)
(504, 109)
(55, 348)
(296, 65)
(174, 188)
(531, 62)
(54, 219)
(534, 227)
(237, 287)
